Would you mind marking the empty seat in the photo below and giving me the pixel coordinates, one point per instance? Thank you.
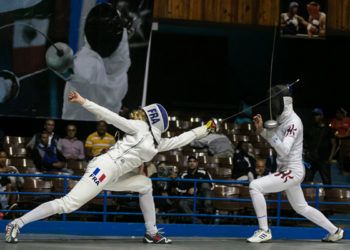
(337, 195)
(224, 191)
(14, 140)
(223, 173)
(242, 138)
(22, 162)
(36, 185)
(184, 125)
(173, 159)
(159, 158)
(79, 167)
(58, 184)
(16, 151)
(255, 138)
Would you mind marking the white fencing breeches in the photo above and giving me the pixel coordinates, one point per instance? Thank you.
(290, 183)
(101, 174)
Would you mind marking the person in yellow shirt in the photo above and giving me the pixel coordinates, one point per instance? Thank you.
(100, 141)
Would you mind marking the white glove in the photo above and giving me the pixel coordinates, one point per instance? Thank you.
(201, 132)
(268, 133)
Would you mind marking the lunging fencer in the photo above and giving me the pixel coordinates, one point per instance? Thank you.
(113, 170)
(287, 140)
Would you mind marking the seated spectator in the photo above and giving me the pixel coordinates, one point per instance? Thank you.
(70, 146)
(9, 183)
(243, 162)
(187, 188)
(217, 144)
(2, 139)
(47, 157)
(247, 114)
(99, 142)
(163, 188)
(341, 124)
(5, 167)
(5, 186)
(49, 127)
(259, 171)
(320, 147)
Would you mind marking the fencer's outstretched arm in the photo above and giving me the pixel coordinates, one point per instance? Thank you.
(103, 114)
(184, 139)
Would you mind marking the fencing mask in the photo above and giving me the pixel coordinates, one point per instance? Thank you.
(278, 93)
(103, 29)
(157, 116)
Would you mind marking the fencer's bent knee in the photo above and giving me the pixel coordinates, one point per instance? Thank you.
(300, 209)
(255, 187)
(146, 186)
(67, 204)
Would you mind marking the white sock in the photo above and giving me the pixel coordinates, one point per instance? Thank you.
(319, 219)
(41, 212)
(149, 212)
(259, 204)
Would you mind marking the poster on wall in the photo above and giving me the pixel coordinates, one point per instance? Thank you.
(51, 47)
(303, 19)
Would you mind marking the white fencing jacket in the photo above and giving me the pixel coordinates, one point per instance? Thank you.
(287, 140)
(102, 80)
(137, 146)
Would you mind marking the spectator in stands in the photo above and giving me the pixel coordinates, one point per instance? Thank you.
(259, 171)
(204, 189)
(99, 142)
(341, 123)
(320, 146)
(4, 163)
(47, 157)
(70, 146)
(243, 162)
(49, 127)
(2, 139)
(5, 167)
(217, 144)
(164, 188)
(7, 184)
(246, 116)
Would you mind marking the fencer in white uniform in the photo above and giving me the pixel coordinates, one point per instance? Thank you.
(109, 171)
(100, 67)
(287, 140)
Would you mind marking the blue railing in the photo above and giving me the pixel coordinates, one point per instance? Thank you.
(105, 195)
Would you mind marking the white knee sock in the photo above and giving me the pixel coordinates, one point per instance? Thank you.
(149, 212)
(259, 204)
(41, 212)
(319, 219)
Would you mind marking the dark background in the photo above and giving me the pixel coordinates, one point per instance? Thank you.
(191, 70)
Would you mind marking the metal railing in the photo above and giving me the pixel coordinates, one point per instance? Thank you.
(105, 196)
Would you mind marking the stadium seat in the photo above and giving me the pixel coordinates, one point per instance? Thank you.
(224, 191)
(337, 195)
(16, 151)
(22, 162)
(78, 167)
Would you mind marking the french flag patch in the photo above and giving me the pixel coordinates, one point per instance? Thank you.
(98, 176)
